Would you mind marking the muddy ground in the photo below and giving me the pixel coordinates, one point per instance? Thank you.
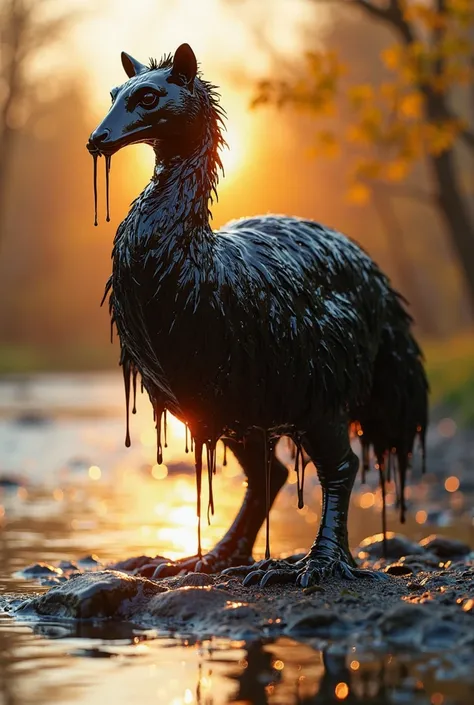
(424, 604)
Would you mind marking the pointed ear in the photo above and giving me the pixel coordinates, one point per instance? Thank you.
(185, 64)
(132, 66)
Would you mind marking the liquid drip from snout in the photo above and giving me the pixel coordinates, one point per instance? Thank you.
(94, 159)
(108, 160)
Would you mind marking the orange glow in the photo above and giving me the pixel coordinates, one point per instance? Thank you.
(367, 500)
(437, 699)
(355, 665)
(451, 484)
(311, 518)
(180, 532)
(342, 691)
(279, 665)
(159, 472)
(95, 472)
(421, 517)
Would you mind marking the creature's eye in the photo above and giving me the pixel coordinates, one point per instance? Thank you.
(113, 94)
(149, 100)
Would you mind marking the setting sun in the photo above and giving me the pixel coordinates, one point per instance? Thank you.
(232, 156)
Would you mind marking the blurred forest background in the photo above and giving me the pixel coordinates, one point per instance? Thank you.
(357, 113)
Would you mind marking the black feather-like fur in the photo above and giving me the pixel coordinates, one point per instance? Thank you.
(272, 322)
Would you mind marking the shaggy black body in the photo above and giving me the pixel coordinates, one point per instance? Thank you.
(271, 326)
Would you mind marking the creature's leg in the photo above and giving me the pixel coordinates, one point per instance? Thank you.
(235, 548)
(337, 466)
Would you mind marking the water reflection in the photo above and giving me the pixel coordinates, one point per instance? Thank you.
(120, 663)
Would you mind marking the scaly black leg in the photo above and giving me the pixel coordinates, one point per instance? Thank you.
(235, 548)
(337, 466)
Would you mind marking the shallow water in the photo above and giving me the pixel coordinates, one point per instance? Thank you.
(69, 488)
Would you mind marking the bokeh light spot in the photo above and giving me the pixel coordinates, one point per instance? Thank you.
(451, 484)
(95, 473)
(342, 691)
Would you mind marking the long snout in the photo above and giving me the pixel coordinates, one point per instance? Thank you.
(111, 134)
(98, 140)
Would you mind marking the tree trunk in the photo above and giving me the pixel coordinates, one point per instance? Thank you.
(455, 214)
(404, 274)
(452, 205)
(6, 145)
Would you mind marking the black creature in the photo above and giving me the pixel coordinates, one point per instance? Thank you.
(273, 326)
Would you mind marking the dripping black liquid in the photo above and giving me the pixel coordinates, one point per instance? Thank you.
(272, 326)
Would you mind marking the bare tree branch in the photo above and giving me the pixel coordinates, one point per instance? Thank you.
(390, 13)
(23, 34)
(467, 137)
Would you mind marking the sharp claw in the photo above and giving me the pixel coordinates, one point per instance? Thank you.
(370, 574)
(253, 578)
(346, 571)
(304, 579)
(205, 566)
(239, 571)
(278, 577)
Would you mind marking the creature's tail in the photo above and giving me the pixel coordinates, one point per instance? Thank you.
(397, 411)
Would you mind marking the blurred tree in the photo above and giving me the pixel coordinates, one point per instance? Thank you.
(27, 27)
(419, 111)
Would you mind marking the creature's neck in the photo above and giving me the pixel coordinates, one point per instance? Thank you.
(182, 188)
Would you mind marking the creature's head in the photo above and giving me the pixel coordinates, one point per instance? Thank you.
(158, 102)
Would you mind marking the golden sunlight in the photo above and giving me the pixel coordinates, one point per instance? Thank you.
(180, 534)
(233, 155)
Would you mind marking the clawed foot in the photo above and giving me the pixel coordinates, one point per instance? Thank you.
(320, 564)
(215, 561)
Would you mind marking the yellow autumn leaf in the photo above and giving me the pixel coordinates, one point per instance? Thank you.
(392, 56)
(358, 193)
(411, 105)
(397, 170)
(439, 138)
(428, 16)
